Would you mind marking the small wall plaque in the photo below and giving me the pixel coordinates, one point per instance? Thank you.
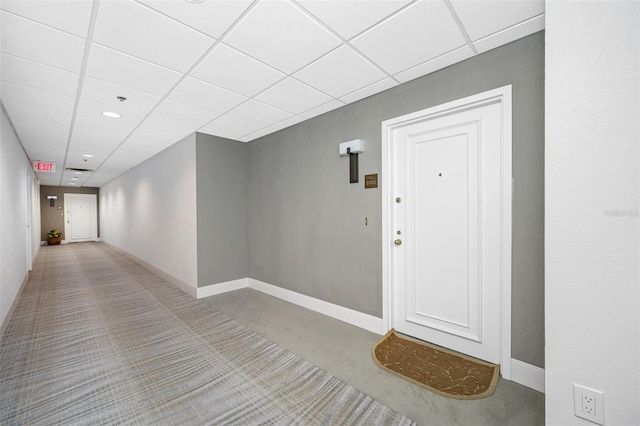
(371, 181)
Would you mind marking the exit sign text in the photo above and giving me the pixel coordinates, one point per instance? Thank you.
(44, 166)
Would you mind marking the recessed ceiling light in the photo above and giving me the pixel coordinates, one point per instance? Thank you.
(194, 1)
(78, 173)
(72, 184)
(87, 155)
(75, 178)
(110, 114)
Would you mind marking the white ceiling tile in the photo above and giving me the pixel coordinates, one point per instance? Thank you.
(226, 67)
(70, 16)
(340, 72)
(230, 127)
(36, 98)
(350, 17)
(163, 129)
(108, 128)
(510, 34)
(419, 33)
(293, 96)
(125, 70)
(210, 17)
(107, 93)
(436, 64)
(279, 34)
(319, 110)
(371, 89)
(257, 112)
(258, 134)
(30, 40)
(44, 133)
(144, 33)
(481, 18)
(178, 111)
(33, 74)
(204, 95)
(89, 141)
(95, 110)
(288, 122)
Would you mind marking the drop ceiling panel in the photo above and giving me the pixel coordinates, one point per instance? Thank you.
(259, 113)
(160, 40)
(69, 16)
(206, 96)
(33, 74)
(340, 72)
(30, 40)
(107, 94)
(39, 128)
(293, 96)
(435, 64)
(125, 70)
(482, 18)
(179, 111)
(95, 109)
(512, 33)
(279, 34)
(37, 98)
(210, 17)
(419, 33)
(321, 109)
(372, 89)
(108, 127)
(226, 126)
(349, 18)
(163, 130)
(226, 67)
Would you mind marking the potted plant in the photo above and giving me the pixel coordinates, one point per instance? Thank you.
(54, 237)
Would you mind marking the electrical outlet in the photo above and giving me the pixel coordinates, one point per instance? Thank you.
(588, 404)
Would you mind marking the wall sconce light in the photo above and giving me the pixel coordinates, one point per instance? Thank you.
(352, 148)
(52, 200)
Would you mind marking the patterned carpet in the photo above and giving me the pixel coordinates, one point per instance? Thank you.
(97, 339)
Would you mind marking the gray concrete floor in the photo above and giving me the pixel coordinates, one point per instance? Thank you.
(345, 351)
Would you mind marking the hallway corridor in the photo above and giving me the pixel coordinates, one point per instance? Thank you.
(97, 339)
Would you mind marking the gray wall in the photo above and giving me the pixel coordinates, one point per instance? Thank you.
(51, 217)
(221, 179)
(306, 222)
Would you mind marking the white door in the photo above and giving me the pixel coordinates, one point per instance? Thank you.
(450, 184)
(81, 217)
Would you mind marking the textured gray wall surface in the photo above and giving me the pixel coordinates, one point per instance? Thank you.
(307, 228)
(51, 217)
(221, 179)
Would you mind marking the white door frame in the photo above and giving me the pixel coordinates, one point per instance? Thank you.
(503, 96)
(94, 216)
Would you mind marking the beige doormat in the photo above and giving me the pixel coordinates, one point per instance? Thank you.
(440, 370)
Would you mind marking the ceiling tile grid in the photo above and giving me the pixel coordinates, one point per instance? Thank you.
(238, 69)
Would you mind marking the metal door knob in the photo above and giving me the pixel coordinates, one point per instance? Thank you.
(398, 242)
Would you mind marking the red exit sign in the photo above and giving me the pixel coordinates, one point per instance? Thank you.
(44, 166)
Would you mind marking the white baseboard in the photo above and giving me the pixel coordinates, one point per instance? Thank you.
(213, 289)
(182, 285)
(7, 317)
(527, 375)
(359, 319)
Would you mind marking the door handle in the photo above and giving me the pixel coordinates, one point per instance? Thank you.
(398, 242)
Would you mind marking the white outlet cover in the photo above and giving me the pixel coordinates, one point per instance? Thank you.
(579, 395)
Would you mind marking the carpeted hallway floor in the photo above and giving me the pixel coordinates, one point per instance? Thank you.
(97, 339)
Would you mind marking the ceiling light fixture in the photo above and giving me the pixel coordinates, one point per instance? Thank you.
(194, 1)
(74, 178)
(78, 173)
(72, 184)
(87, 155)
(110, 114)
